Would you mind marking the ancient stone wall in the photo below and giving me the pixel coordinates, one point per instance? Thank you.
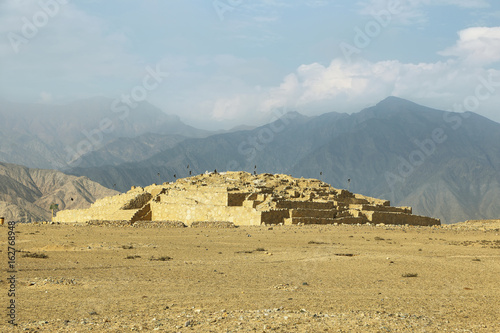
(399, 218)
(201, 195)
(304, 204)
(350, 220)
(363, 207)
(193, 212)
(275, 216)
(117, 201)
(73, 215)
(84, 215)
(317, 213)
(236, 199)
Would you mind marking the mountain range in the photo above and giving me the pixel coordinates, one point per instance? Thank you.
(27, 194)
(57, 136)
(443, 164)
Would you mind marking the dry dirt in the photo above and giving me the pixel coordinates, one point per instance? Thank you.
(345, 278)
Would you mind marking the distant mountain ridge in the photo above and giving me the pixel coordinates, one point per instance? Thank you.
(444, 164)
(26, 194)
(58, 136)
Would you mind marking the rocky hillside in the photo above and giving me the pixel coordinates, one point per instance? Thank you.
(26, 194)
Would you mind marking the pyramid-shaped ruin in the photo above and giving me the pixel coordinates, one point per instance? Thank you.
(245, 199)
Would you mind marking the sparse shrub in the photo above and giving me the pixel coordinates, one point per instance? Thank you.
(162, 258)
(315, 242)
(379, 238)
(35, 255)
(408, 275)
(133, 257)
(259, 249)
(127, 247)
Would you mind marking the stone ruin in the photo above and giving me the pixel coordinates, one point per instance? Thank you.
(245, 199)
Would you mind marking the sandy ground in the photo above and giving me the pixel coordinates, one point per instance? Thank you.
(344, 278)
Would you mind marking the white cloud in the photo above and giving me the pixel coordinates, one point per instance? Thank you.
(355, 84)
(285, 94)
(476, 46)
(230, 108)
(45, 97)
(350, 86)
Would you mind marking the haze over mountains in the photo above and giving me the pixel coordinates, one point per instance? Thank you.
(56, 136)
(443, 164)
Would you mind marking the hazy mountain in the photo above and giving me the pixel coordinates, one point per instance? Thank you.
(57, 136)
(443, 164)
(26, 194)
(123, 150)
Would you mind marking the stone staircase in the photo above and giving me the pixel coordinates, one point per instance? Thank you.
(142, 214)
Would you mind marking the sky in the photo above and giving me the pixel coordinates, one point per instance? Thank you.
(222, 63)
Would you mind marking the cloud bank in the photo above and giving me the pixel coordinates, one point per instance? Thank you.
(345, 86)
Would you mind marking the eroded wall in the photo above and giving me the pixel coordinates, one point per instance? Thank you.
(400, 218)
(189, 213)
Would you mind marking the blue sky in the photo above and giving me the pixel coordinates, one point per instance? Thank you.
(227, 62)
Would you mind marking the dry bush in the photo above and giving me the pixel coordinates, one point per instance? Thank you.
(35, 255)
(317, 243)
(408, 275)
(162, 258)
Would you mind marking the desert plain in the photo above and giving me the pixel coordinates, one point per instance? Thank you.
(300, 278)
